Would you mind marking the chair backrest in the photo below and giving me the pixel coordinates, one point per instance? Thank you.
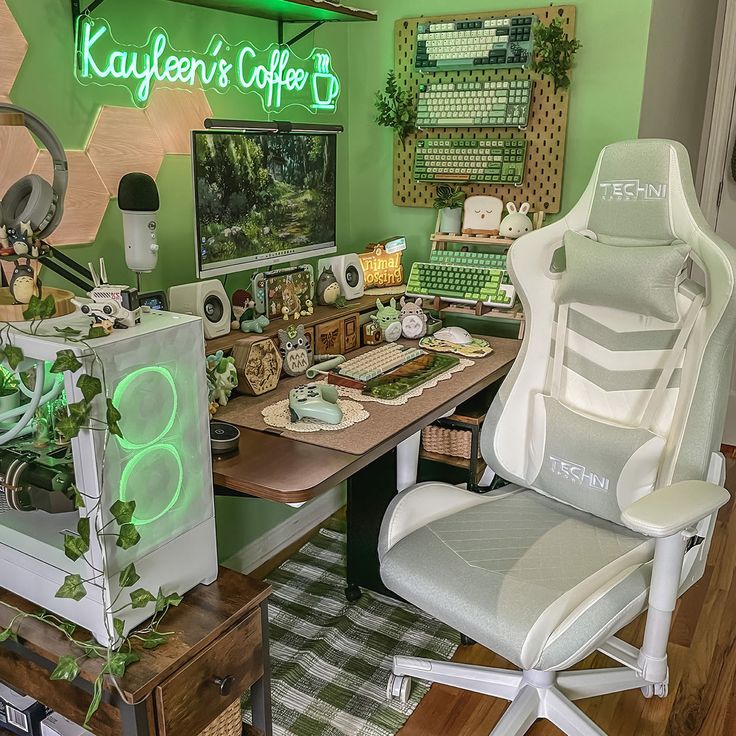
(605, 404)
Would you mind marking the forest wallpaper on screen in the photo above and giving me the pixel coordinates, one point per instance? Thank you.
(258, 194)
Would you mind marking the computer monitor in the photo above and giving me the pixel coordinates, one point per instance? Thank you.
(262, 198)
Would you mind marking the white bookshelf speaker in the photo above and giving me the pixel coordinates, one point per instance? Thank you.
(348, 272)
(205, 299)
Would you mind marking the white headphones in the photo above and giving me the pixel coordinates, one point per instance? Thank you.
(32, 199)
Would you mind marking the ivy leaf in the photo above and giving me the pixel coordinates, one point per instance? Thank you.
(68, 627)
(78, 499)
(79, 412)
(116, 664)
(89, 386)
(128, 536)
(83, 529)
(119, 625)
(66, 669)
(94, 332)
(96, 699)
(113, 417)
(65, 361)
(33, 309)
(7, 634)
(47, 307)
(73, 588)
(68, 331)
(129, 576)
(163, 601)
(155, 639)
(67, 427)
(13, 355)
(140, 598)
(89, 648)
(74, 546)
(123, 511)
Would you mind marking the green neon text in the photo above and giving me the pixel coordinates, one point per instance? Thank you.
(278, 76)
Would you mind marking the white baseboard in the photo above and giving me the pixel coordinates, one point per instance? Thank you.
(260, 550)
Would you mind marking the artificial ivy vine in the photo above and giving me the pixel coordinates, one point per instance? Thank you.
(70, 420)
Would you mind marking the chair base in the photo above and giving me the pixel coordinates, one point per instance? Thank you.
(532, 694)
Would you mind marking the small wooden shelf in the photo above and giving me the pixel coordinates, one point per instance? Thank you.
(288, 10)
(453, 461)
(470, 239)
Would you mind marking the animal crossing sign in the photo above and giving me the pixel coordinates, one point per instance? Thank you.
(278, 76)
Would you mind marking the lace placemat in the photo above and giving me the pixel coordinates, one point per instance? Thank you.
(354, 393)
(277, 415)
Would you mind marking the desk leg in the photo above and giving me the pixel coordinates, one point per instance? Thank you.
(260, 691)
(370, 491)
(135, 719)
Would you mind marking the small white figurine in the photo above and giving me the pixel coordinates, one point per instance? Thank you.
(516, 224)
(482, 215)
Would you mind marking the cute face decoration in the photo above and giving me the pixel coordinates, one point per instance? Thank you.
(482, 215)
(295, 350)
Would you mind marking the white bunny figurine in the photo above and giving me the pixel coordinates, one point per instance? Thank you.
(515, 224)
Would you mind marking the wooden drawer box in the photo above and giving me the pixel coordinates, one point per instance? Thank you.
(201, 690)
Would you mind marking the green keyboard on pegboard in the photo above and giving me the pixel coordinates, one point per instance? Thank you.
(453, 279)
(466, 258)
(499, 161)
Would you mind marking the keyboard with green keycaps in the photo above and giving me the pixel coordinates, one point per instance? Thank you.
(475, 44)
(466, 258)
(462, 284)
(474, 104)
(499, 161)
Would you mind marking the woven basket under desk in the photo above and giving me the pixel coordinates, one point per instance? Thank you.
(228, 723)
(445, 441)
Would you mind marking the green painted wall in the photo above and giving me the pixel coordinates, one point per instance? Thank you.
(605, 103)
(605, 106)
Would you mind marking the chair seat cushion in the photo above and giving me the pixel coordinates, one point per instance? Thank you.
(534, 580)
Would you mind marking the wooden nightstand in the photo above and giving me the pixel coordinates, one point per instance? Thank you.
(218, 652)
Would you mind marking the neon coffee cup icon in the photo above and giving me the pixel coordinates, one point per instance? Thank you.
(325, 85)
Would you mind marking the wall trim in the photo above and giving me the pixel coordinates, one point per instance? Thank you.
(261, 550)
(723, 107)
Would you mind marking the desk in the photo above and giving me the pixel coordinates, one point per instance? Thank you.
(282, 469)
(221, 632)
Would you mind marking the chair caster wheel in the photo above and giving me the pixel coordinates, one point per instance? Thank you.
(398, 687)
(466, 640)
(659, 690)
(353, 593)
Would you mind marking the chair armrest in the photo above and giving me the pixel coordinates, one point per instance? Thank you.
(672, 509)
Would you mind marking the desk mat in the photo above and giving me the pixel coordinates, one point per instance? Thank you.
(384, 421)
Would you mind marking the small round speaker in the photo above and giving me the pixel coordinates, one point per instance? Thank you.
(352, 276)
(213, 308)
(224, 437)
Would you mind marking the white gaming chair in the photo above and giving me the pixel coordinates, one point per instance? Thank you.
(608, 429)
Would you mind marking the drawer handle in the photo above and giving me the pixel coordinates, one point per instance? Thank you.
(225, 684)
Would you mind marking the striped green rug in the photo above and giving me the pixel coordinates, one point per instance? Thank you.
(331, 659)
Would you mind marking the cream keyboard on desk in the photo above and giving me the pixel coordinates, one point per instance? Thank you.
(376, 362)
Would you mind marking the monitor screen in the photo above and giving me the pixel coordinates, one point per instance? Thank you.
(261, 198)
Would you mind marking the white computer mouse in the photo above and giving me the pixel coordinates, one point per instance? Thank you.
(454, 334)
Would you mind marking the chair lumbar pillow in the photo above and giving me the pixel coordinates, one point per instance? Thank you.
(607, 430)
(638, 278)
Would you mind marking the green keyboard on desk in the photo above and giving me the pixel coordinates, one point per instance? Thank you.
(499, 161)
(463, 284)
(474, 104)
(466, 258)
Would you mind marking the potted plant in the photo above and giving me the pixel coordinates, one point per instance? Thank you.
(9, 394)
(449, 202)
(396, 109)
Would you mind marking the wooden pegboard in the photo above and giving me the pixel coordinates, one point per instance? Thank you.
(545, 131)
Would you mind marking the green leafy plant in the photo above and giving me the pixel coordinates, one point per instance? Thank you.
(70, 419)
(396, 109)
(554, 52)
(8, 383)
(448, 197)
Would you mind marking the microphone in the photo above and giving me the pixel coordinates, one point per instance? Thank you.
(139, 203)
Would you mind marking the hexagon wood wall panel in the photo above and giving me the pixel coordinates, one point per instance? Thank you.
(12, 51)
(174, 114)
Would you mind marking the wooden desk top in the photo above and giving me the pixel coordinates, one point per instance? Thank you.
(286, 470)
(204, 614)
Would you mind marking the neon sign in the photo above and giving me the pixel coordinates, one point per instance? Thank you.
(278, 76)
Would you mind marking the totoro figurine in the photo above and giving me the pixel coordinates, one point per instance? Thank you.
(295, 349)
(413, 319)
(23, 283)
(327, 287)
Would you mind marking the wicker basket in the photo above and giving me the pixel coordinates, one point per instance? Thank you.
(444, 441)
(228, 723)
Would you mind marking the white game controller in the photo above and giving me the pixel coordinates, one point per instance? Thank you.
(316, 401)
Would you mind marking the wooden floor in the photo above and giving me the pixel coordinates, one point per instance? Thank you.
(702, 660)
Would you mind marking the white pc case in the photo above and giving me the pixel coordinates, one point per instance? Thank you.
(155, 374)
